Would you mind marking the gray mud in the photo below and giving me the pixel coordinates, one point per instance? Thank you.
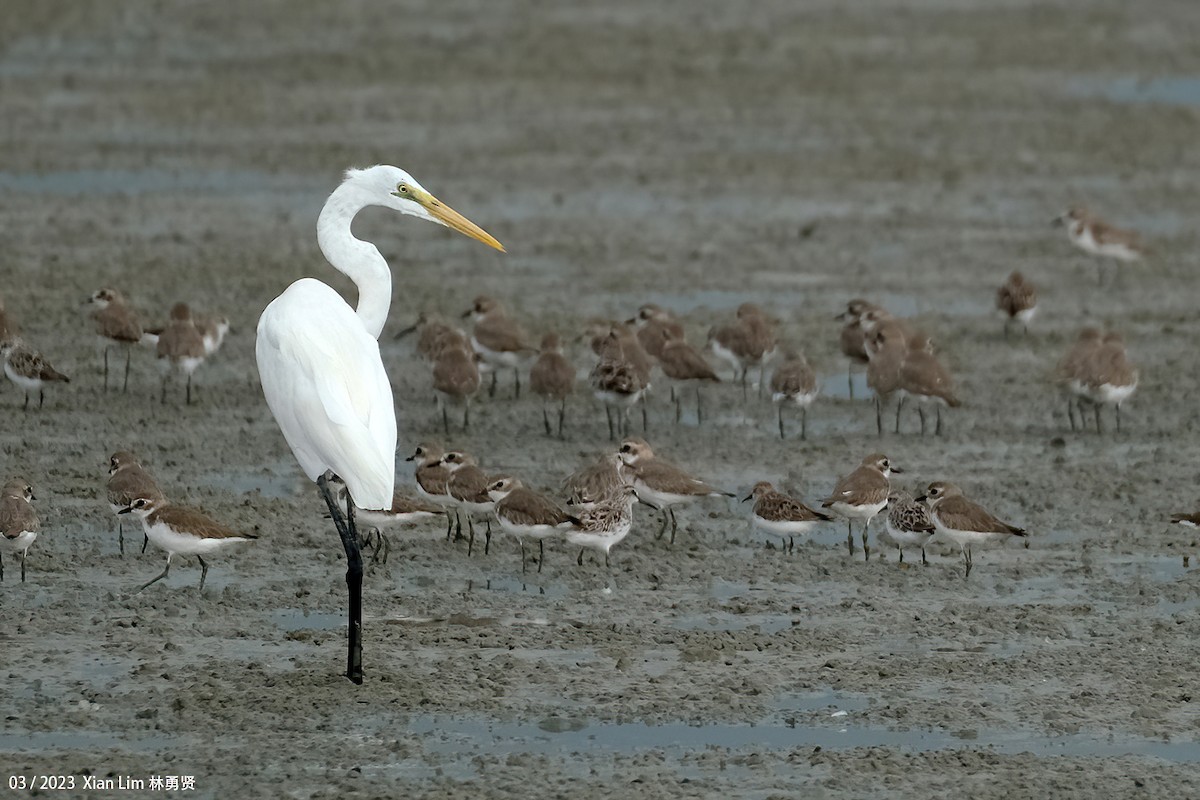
(693, 154)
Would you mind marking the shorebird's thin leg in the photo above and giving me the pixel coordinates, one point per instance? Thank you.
(165, 571)
(348, 532)
(517, 377)
(924, 561)
(106, 368)
(579, 560)
(145, 542)
(41, 398)
(26, 406)
(541, 554)
(121, 535)
(1118, 410)
(189, 389)
(866, 547)
(24, 558)
(937, 431)
(466, 414)
(471, 534)
(546, 420)
(791, 543)
(762, 377)
(125, 387)
(900, 550)
(804, 423)
(645, 426)
(1, 567)
(850, 378)
(899, 405)
(608, 413)
(678, 409)
(745, 395)
(674, 524)
(492, 388)
(562, 415)
(445, 418)
(850, 535)
(163, 398)
(487, 538)
(523, 567)
(781, 436)
(1071, 412)
(449, 526)
(665, 520)
(1098, 429)
(203, 571)
(921, 414)
(607, 561)
(699, 407)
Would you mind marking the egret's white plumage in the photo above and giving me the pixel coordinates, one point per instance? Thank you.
(319, 359)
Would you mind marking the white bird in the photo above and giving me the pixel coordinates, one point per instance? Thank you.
(318, 360)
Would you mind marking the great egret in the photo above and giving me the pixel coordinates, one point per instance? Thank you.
(319, 363)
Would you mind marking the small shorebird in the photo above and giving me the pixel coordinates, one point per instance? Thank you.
(887, 346)
(526, 514)
(29, 370)
(963, 522)
(595, 482)
(116, 323)
(182, 531)
(499, 340)
(683, 364)
(1072, 369)
(432, 477)
(650, 322)
(853, 337)
(127, 481)
(456, 379)
(434, 333)
(213, 330)
(552, 378)
(908, 523)
(861, 495)
(747, 342)
(794, 382)
(468, 488)
(780, 515)
(660, 484)
(1108, 377)
(19, 525)
(404, 511)
(1096, 237)
(180, 348)
(622, 376)
(603, 526)
(1017, 301)
(1186, 520)
(923, 378)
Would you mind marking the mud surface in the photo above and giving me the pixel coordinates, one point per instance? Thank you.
(692, 154)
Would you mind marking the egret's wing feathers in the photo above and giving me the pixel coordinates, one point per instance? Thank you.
(325, 383)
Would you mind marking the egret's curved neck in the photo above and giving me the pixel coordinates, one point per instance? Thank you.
(360, 260)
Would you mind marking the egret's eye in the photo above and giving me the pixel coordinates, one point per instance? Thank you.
(402, 188)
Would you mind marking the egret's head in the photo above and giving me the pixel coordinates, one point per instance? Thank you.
(394, 188)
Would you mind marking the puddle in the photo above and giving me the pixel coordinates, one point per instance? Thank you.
(463, 736)
(298, 619)
(1172, 90)
(515, 585)
(837, 386)
(278, 482)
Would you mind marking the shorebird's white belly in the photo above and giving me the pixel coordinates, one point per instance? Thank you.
(784, 527)
(617, 398)
(600, 541)
(661, 500)
(801, 400)
(908, 538)
(527, 531)
(185, 544)
(19, 543)
(857, 512)
(1115, 395)
(963, 538)
(500, 358)
(26, 383)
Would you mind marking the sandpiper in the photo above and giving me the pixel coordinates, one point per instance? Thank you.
(853, 337)
(19, 525)
(1096, 237)
(622, 376)
(468, 487)
(213, 330)
(794, 383)
(660, 484)
(594, 482)
(926, 380)
(650, 322)
(780, 515)
(963, 522)
(456, 379)
(1072, 369)
(887, 346)
(604, 525)
(433, 334)
(29, 369)
(180, 348)
(403, 512)
(182, 531)
(861, 495)
(499, 340)
(1186, 520)
(908, 523)
(747, 342)
(526, 514)
(683, 364)
(1017, 301)
(1108, 377)
(552, 378)
(432, 477)
(116, 323)
(127, 481)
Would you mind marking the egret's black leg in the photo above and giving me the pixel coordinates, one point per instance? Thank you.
(354, 572)
(203, 571)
